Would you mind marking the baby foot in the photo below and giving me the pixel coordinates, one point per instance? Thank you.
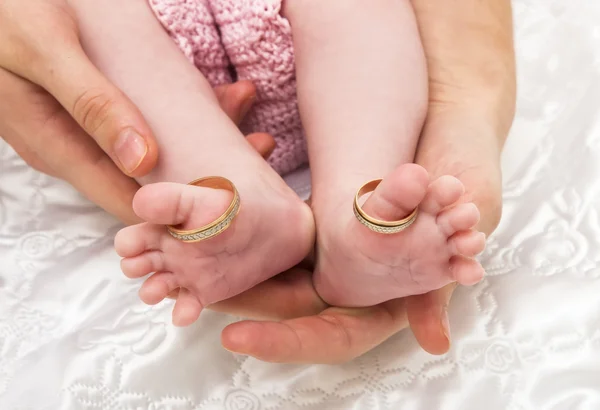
(359, 267)
(269, 235)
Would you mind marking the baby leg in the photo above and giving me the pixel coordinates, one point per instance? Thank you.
(192, 26)
(362, 91)
(273, 230)
(258, 42)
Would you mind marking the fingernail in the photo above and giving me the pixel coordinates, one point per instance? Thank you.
(130, 149)
(445, 324)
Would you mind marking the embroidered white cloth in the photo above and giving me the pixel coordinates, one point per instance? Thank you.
(73, 334)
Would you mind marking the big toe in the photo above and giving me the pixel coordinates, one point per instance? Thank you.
(398, 194)
(178, 204)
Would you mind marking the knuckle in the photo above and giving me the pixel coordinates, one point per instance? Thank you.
(92, 109)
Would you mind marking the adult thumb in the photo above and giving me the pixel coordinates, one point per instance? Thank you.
(101, 109)
(428, 319)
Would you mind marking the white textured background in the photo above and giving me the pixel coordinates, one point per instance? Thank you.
(74, 336)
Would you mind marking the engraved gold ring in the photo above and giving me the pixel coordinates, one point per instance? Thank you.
(220, 224)
(377, 225)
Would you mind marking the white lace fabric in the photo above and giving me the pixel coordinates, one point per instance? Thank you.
(73, 334)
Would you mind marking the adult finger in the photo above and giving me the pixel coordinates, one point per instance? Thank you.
(263, 143)
(100, 108)
(288, 295)
(28, 155)
(236, 99)
(14, 90)
(77, 159)
(49, 140)
(428, 318)
(105, 185)
(334, 336)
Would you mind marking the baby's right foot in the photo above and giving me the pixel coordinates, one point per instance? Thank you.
(273, 231)
(359, 267)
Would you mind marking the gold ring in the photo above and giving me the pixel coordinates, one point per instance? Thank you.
(377, 225)
(218, 225)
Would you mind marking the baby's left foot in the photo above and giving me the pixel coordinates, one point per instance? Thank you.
(359, 267)
(272, 233)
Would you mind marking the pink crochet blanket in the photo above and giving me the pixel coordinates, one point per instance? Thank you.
(251, 39)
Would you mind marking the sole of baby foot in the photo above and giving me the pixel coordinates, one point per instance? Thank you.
(273, 231)
(359, 267)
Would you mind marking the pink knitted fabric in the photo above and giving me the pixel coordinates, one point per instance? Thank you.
(191, 25)
(257, 41)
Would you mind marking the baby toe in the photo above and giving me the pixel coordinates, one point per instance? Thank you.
(441, 193)
(187, 309)
(168, 203)
(466, 271)
(459, 218)
(157, 287)
(141, 265)
(398, 194)
(135, 240)
(467, 243)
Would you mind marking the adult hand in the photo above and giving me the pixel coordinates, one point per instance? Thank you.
(39, 42)
(293, 325)
(66, 119)
(472, 86)
(472, 100)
